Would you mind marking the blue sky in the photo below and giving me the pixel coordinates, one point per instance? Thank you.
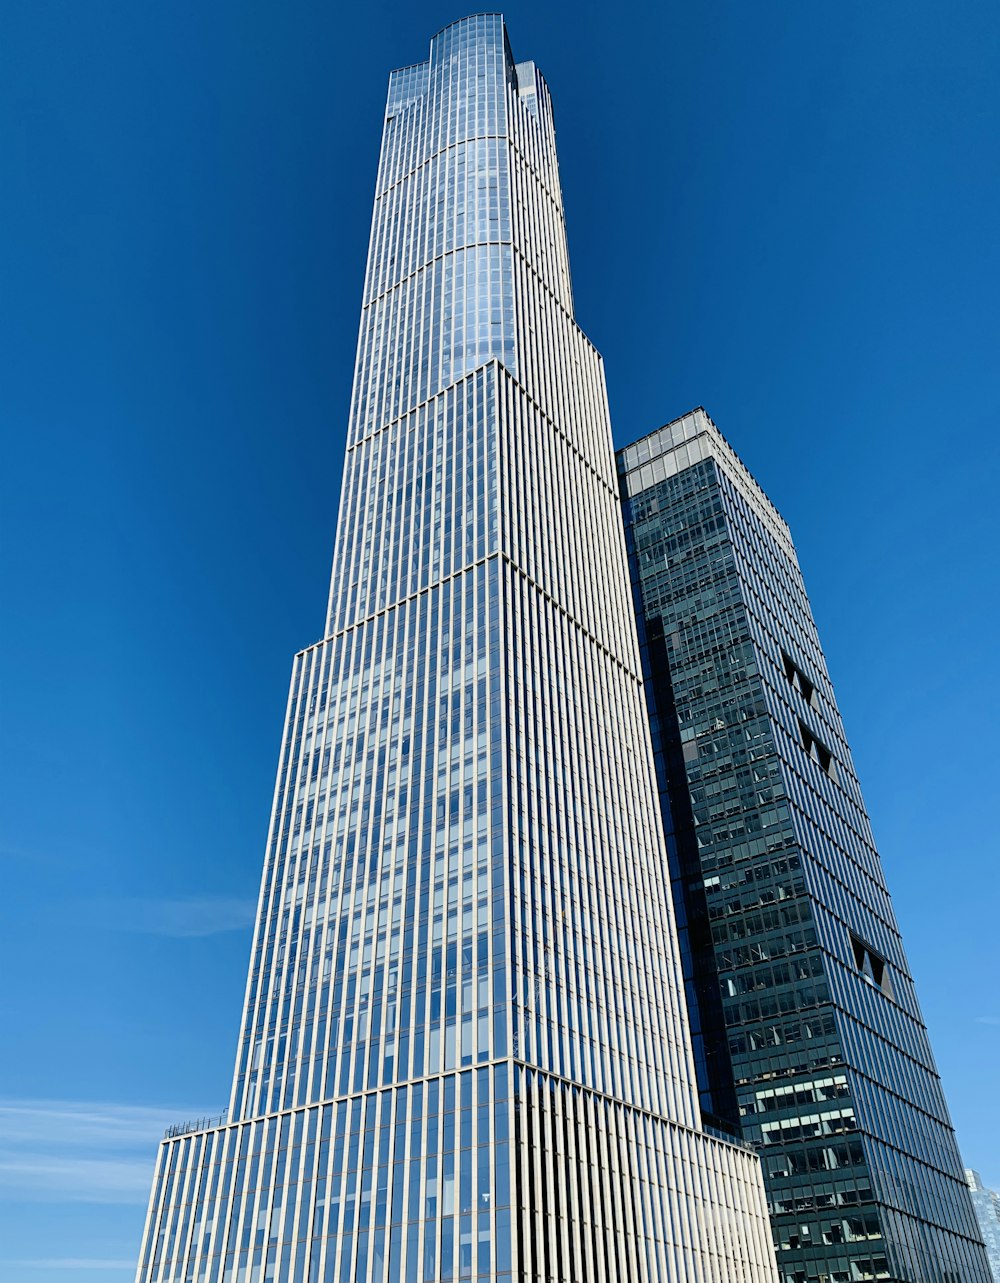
(786, 212)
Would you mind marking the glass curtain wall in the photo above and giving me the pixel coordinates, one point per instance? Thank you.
(464, 1051)
(809, 1041)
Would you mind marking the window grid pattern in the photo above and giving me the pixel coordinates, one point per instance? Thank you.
(408, 1184)
(464, 952)
(419, 501)
(381, 939)
(775, 875)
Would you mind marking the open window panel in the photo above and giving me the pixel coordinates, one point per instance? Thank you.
(803, 684)
(817, 750)
(871, 965)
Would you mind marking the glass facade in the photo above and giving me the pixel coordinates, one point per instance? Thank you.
(807, 1034)
(986, 1203)
(464, 1051)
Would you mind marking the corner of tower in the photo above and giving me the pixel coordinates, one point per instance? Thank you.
(688, 439)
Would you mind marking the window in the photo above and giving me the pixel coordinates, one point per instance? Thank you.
(871, 965)
(817, 750)
(805, 687)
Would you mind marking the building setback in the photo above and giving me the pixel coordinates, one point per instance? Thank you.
(464, 1051)
(808, 1038)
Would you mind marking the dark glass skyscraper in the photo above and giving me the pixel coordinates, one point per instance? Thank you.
(464, 1051)
(808, 1037)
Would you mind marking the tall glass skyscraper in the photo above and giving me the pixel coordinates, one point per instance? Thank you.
(808, 1037)
(986, 1204)
(465, 1052)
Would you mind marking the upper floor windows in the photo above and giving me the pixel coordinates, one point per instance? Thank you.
(871, 965)
(805, 687)
(817, 750)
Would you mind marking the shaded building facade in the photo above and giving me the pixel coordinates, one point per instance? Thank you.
(464, 1051)
(808, 1039)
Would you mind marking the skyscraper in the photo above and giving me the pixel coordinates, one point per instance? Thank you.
(808, 1036)
(464, 1050)
(986, 1204)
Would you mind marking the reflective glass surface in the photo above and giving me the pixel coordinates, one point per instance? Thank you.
(986, 1204)
(464, 1051)
(808, 1037)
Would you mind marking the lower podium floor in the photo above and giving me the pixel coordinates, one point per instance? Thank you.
(495, 1173)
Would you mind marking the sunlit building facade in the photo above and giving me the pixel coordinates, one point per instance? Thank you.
(986, 1204)
(808, 1038)
(464, 1051)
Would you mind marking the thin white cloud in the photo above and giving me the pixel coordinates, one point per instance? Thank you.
(58, 1178)
(80, 1151)
(988, 1020)
(198, 916)
(72, 1122)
